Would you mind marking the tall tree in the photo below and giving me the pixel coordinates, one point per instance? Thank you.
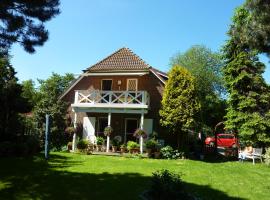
(255, 28)
(49, 103)
(249, 96)
(23, 21)
(11, 101)
(29, 92)
(205, 66)
(179, 104)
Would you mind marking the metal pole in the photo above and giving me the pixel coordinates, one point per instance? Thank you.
(47, 137)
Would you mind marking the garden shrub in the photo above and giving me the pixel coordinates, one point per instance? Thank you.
(168, 152)
(132, 145)
(267, 157)
(82, 144)
(167, 185)
(100, 140)
(151, 144)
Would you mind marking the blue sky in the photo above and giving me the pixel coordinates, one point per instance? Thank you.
(87, 31)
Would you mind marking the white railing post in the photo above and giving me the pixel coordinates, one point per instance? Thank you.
(108, 137)
(76, 100)
(110, 96)
(141, 137)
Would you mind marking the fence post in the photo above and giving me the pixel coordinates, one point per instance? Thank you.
(47, 137)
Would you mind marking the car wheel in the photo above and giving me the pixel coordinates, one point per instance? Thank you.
(211, 144)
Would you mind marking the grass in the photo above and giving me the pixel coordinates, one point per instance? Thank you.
(75, 176)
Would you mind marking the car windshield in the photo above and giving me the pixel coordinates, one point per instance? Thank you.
(226, 136)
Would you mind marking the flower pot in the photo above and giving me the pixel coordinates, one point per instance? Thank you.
(149, 152)
(157, 154)
(134, 150)
(99, 148)
(114, 149)
(122, 149)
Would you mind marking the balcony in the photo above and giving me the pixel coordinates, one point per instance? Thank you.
(120, 101)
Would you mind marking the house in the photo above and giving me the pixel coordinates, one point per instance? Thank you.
(121, 91)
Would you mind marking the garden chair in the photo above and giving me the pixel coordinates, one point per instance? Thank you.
(256, 154)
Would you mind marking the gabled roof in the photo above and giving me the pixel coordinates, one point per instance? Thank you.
(122, 60)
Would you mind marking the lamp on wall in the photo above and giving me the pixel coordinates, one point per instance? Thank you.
(119, 82)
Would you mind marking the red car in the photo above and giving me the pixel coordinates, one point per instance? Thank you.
(223, 140)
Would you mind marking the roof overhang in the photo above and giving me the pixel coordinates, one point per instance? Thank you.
(116, 73)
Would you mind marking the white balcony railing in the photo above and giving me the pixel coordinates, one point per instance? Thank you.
(113, 98)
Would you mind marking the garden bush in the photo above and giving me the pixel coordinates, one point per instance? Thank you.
(168, 152)
(82, 144)
(167, 185)
(100, 140)
(132, 145)
(151, 144)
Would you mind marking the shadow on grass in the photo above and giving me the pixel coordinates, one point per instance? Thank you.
(34, 178)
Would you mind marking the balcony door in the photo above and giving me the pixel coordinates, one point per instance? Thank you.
(106, 85)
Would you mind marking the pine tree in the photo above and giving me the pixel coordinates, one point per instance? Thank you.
(249, 96)
(23, 21)
(179, 104)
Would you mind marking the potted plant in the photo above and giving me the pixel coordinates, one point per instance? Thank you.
(115, 144)
(107, 132)
(69, 146)
(123, 148)
(82, 145)
(133, 147)
(140, 133)
(150, 146)
(100, 141)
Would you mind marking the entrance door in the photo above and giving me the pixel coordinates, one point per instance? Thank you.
(102, 124)
(89, 128)
(130, 127)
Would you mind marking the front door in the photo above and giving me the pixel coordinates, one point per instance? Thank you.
(102, 124)
(130, 127)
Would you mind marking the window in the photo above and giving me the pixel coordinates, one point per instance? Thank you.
(132, 84)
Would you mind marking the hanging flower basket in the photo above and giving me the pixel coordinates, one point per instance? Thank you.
(108, 131)
(140, 132)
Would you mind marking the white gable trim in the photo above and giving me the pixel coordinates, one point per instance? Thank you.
(157, 76)
(72, 86)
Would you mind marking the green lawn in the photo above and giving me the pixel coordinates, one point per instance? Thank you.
(74, 176)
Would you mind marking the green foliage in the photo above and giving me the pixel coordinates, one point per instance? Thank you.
(108, 131)
(205, 66)
(115, 142)
(167, 185)
(249, 96)
(82, 144)
(179, 104)
(168, 152)
(23, 21)
(49, 103)
(29, 92)
(139, 132)
(151, 144)
(100, 140)
(12, 102)
(132, 145)
(251, 25)
(266, 157)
